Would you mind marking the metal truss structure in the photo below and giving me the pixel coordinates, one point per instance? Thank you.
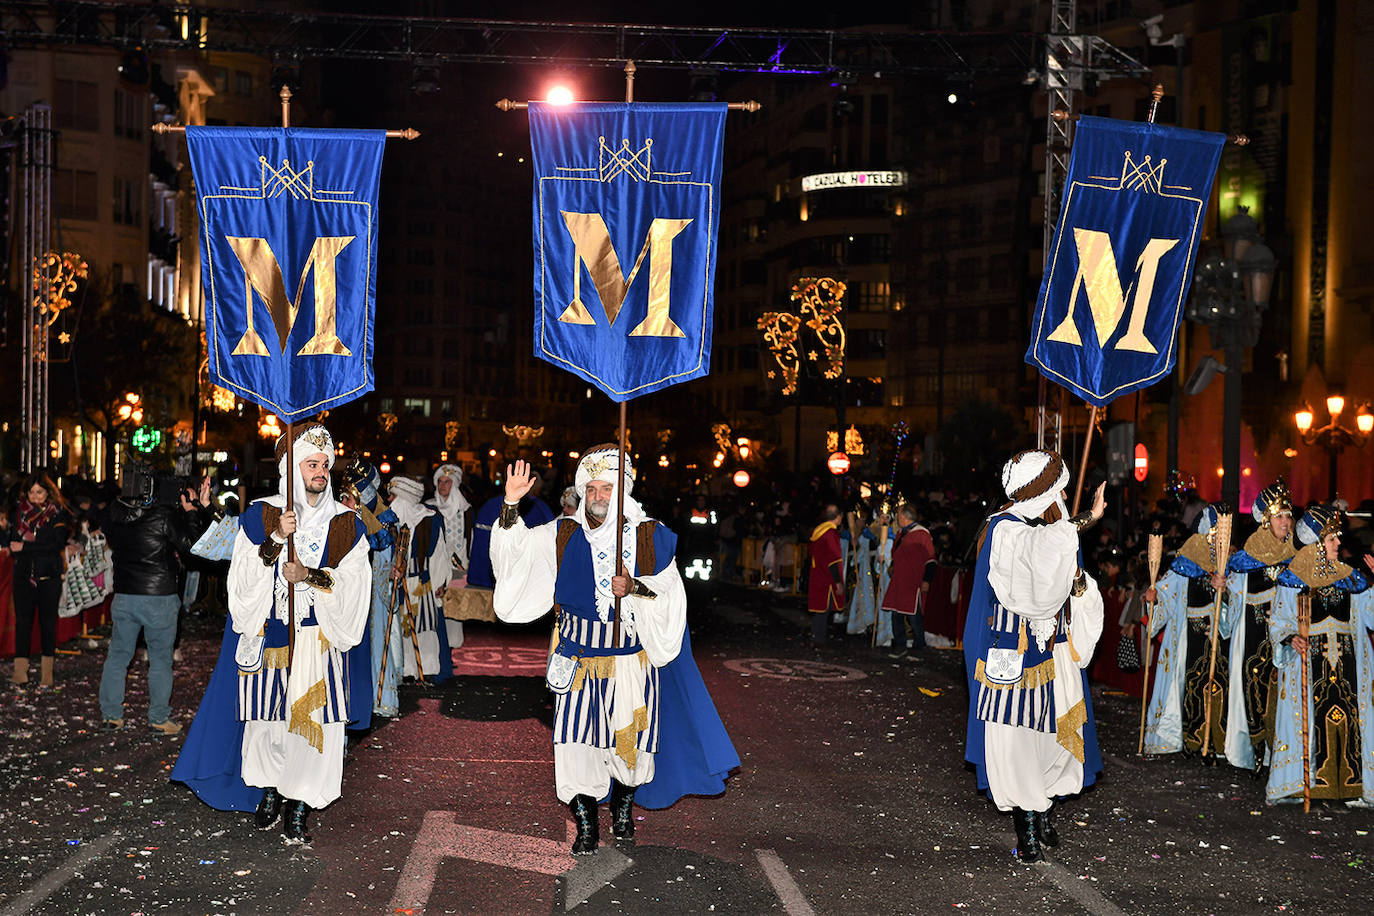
(287, 35)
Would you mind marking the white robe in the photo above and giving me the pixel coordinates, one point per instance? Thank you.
(525, 565)
(273, 756)
(1031, 571)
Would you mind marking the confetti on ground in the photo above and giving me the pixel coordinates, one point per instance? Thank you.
(929, 692)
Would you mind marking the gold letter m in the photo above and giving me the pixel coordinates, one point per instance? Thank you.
(262, 273)
(592, 240)
(1097, 274)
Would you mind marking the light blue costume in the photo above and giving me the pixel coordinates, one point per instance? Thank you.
(1183, 610)
(1340, 707)
(1252, 577)
(863, 603)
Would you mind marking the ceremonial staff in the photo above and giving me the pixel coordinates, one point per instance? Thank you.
(1154, 554)
(398, 572)
(406, 134)
(1304, 626)
(509, 105)
(1221, 553)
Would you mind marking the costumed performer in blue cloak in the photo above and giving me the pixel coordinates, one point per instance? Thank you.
(1252, 577)
(1340, 672)
(1033, 622)
(631, 713)
(362, 493)
(1184, 602)
(271, 724)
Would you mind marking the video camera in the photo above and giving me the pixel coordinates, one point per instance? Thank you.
(145, 486)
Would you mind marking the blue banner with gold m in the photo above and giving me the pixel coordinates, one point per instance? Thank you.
(626, 214)
(1121, 262)
(288, 260)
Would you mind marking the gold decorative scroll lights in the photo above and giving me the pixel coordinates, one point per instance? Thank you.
(820, 303)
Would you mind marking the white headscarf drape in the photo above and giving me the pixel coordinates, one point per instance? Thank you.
(601, 463)
(405, 501)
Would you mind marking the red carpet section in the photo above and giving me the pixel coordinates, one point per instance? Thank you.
(496, 651)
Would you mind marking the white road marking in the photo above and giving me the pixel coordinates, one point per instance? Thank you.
(53, 880)
(441, 837)
(793, 900)
(1080, 892)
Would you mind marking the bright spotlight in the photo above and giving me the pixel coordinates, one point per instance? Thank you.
(560, 95)
(952, 98)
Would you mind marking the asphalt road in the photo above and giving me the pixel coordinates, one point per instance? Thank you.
(852, 798)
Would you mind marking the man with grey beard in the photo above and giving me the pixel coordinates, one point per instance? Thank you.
(630, 711)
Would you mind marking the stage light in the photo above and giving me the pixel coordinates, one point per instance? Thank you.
(952, 98)
(560, 95)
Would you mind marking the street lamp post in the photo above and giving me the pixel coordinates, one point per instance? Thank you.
(1334, 437)
(1230, 293)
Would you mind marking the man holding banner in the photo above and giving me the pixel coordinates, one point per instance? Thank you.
(626, 213)
(274, 713)
(289, 251)
(1033, 622)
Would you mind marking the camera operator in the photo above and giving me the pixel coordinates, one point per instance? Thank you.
(150, 529)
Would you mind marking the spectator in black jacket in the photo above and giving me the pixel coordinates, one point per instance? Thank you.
(148, 541)
(37, 536)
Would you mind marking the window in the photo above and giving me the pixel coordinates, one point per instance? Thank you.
(421, 257)
(75, 191)
(76, 105)
(219, 78)
(999, 271)
(127, 197)
(869, 297)
(129, 120)
(937, 278)
(867, 344)
(416, 407)
(243, 82)
(966, 275)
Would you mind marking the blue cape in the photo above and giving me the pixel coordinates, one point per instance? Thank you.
(211, 760)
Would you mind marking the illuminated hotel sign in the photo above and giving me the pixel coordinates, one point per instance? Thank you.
(826, 180)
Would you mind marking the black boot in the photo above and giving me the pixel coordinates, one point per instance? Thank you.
(269, 809)
(623, 811)
(1044, 828)
(1027, 842)
(293, 821)
(583, 808)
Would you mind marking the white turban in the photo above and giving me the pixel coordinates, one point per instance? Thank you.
(1034, 481)
(405, 501)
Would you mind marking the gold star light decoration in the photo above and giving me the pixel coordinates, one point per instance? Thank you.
(820, 301)
(55, 278)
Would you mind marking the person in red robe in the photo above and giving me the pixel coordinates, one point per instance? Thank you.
(913, 568)
(825, 585)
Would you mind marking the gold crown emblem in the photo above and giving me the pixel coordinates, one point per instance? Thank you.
(1142, 176)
